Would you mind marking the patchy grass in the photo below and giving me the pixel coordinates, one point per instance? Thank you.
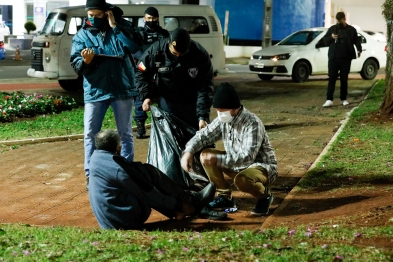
(326, 243)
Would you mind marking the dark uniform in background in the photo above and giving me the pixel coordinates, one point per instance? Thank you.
(151, 32)
(340, 38)
(177, 71)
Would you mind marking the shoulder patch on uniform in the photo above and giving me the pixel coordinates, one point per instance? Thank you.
(193, 72)
(141, 67)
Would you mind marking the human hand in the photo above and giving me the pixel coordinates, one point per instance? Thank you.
(334, 36)
(186, 161)
(111, 18)
(146, 104)
(87, 55)
(202, 124)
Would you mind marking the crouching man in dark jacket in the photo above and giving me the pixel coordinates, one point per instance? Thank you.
(123, 193)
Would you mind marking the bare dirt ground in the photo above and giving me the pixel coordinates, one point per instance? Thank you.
(44, 184)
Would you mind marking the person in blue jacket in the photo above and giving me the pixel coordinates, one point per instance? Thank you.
(122, 193)
(101, 52)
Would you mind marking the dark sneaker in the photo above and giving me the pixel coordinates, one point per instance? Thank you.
(221, 203)
(208, 213)
(140, 130)
(262, 207)
(87, 183)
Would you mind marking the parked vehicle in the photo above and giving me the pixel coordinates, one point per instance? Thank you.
(379, 36)
(4, 30)
(298, 57)
(50, 52)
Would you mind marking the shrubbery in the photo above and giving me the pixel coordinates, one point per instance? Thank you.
(20, 105)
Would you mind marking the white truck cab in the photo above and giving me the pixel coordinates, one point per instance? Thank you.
(51, 48)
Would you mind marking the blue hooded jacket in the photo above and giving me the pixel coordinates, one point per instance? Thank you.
(105, 78)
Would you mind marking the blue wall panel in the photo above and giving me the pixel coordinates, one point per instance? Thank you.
(245, 17)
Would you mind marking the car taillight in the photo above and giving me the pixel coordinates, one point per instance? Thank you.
(386, 48)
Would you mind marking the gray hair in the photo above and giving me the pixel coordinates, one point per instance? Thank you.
(108, 140)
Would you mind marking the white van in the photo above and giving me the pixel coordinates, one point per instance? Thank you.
(51, 48)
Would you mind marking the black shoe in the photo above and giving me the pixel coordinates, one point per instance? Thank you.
(87, 183)
(222, 203)
(208, 213)
(140, 130)
(262, 207)
(203, 197)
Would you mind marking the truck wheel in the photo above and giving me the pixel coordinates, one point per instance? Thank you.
(265, 77)
(72, 85)
(300, 72)
(369, 70)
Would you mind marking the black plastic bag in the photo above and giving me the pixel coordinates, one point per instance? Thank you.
(168, 138)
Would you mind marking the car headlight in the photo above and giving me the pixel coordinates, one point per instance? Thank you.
(47, 57)
(281, 57)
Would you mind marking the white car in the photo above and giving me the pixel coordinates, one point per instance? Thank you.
(4, 30)
(297, 56)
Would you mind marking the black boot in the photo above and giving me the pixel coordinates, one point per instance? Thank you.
(203, 198)
(140, 130)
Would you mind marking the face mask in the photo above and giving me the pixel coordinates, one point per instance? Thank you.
(225, 116)
(97, 22)
(152, 24)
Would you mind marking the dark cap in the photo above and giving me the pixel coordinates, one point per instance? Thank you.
(226, 97)
(180, 39)
(152, 11)
(96, 4)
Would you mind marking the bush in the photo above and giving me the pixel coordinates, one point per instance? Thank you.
(30, 26)
(19, 105)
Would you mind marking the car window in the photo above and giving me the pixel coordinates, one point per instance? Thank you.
(299, 38)
(193, 24)
(362, 39)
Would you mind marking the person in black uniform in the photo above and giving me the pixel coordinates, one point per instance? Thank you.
(180, 71)
(340, 38)
(151, 32)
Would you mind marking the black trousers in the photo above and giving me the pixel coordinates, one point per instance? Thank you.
(335, 66)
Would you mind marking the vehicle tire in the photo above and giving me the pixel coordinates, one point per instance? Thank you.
(369, 69)
(72, 85)
(300, 72)
(265, 77)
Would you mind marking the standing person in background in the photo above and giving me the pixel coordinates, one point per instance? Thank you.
(101, 52)
(151, 32)
(340, 38)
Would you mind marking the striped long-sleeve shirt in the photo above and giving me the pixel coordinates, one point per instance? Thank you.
(245, 140)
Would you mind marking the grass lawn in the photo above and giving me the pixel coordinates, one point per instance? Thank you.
(361, 148)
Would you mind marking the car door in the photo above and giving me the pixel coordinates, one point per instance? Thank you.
(320, 51)
(357, 63)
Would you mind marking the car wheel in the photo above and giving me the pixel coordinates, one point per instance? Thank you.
(369, 70)
(300, 72)
(265, 77)
(72, 85)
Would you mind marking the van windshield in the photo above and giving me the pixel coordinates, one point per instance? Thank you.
(54, 24)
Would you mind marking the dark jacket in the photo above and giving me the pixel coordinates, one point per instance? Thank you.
(106, 78)
(351, 40)
(114, 197)
(188, 81)
(149, 37)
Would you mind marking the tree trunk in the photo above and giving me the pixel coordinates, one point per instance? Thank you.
(387, 104)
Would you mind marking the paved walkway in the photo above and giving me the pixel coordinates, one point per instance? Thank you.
(44, 183)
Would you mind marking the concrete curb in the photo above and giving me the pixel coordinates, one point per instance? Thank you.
(291, 194)
(48, 139)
